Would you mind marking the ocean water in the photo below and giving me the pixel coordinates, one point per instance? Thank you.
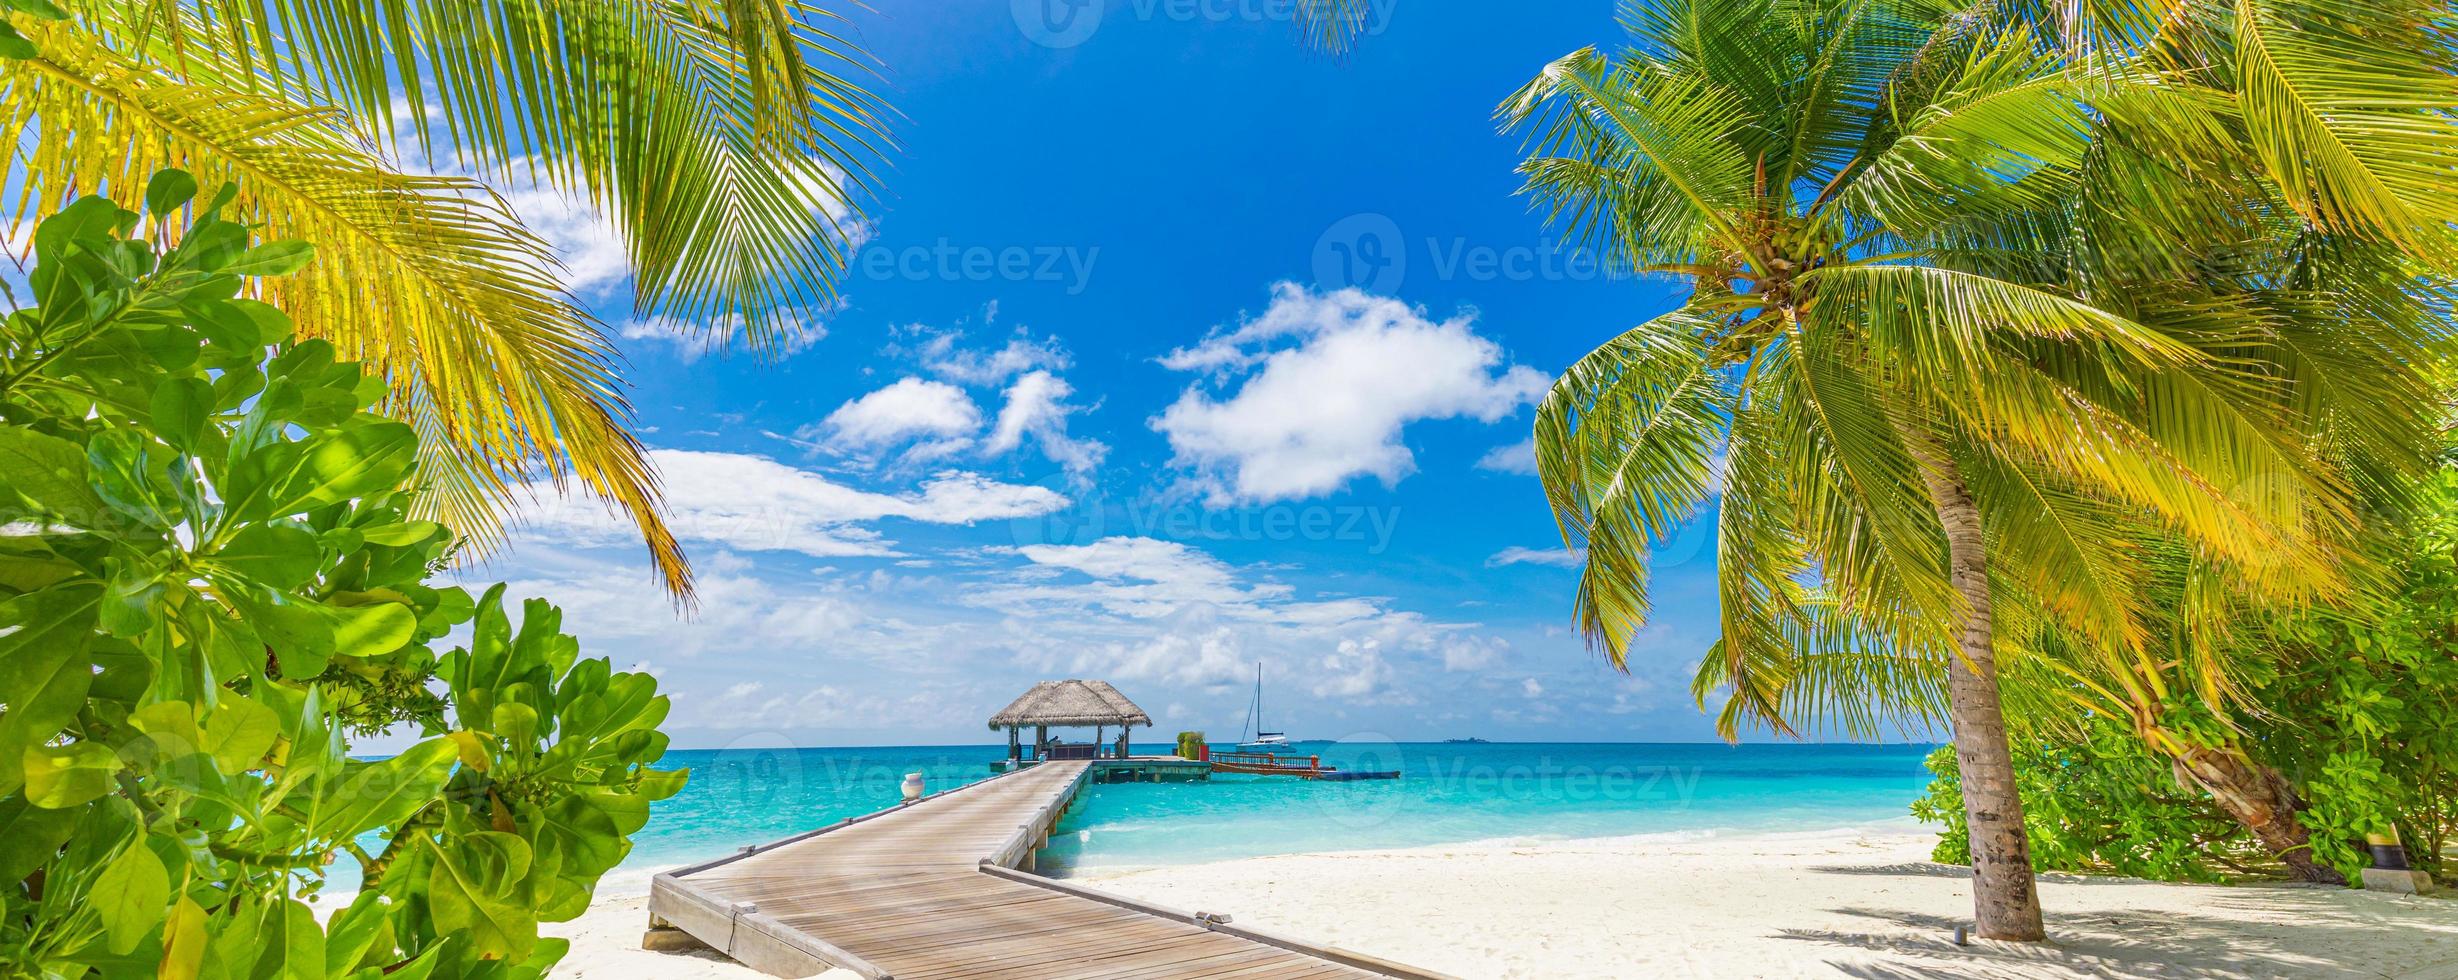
(1448, 793)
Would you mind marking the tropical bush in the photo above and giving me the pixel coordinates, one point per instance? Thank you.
(1190, 745)
(209, 585)
(2100, 802)
(2352, 713)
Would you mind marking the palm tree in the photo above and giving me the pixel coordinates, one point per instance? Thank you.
(724, 141)
(2325, 300)
(1918, 361)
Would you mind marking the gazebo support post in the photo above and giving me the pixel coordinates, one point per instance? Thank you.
(1122, 741)
(1015, 750)
(1096, 741)
(1041, 741)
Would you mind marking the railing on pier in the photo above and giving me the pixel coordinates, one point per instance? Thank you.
(1269, 764)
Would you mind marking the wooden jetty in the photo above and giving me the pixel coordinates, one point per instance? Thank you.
(939, 888)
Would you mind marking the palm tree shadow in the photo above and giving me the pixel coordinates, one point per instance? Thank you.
(1933, 869)
(2328, 939)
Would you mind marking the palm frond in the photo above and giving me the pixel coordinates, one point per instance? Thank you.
(427, 280)
(1624, 446)
(1761, 560)
(727, 141)
(1670, 131)
(2349, 106)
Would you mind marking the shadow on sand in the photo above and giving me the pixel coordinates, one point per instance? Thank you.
(2313, 933)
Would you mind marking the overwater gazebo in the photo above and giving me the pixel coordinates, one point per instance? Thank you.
(1068, 704)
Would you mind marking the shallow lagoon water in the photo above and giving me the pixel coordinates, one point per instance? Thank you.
(1448, 793)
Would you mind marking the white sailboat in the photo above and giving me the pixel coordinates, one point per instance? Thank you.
(1262, 741)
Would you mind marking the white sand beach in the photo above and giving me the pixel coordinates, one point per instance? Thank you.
(1825, 905)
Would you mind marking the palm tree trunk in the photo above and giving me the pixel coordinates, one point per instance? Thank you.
(2005, 905)
(2258, 797)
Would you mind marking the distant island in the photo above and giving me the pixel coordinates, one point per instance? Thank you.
(1465, 741)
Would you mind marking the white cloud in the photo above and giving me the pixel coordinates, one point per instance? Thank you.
(911, 409)
(753, 503)
(1471, 651)
(1558, 557)
(1037, 406)
(612, 606)
(1325, 385)
(1531, 688)
(586, 242)
(1146, 609)
(941, 356)
(1518, 457)
(799, 329)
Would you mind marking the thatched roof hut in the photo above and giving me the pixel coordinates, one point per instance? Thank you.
(1071, 704)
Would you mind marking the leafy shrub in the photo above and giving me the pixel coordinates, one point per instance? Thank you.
(2360, 714)
(2099, 802)
(2354, 711)
(209, 581)
(1190, 745)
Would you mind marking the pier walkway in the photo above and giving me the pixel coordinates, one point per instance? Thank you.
(936, 889)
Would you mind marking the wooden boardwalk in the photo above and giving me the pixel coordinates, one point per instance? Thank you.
(931, 889)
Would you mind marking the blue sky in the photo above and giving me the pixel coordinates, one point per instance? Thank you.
(1171, 347)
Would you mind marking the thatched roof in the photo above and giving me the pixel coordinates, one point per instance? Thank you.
(1071, 704)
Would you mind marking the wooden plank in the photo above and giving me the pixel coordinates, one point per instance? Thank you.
(927, 889)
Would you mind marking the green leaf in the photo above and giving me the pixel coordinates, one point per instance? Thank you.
(291, 943)
(302, 636)
(240, 324)
(272, 259)
(366, 631)
(471, 888)
(44, 672)
(402, 534)
(132, 895)
(239, 732)
(382, 794)
(281, 556)
(353, 931)
(172, 726)
(30, 836)
(138, 477)
(129, 605)
(60, 776)
(50, 473)
(14, 45)
(181, 408)
(291, 478)
(40, 9)
(167, 190)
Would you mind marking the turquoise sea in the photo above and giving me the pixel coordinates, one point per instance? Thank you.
(1449, 793)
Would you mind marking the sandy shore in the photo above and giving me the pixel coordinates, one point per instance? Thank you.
(1845, 904)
